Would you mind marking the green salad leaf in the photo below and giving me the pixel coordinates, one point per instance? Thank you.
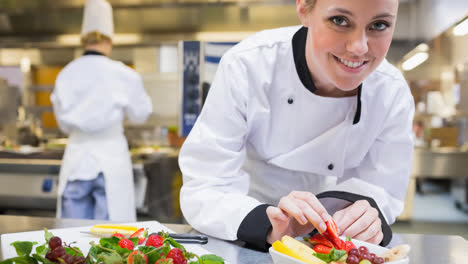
(107, 251)
(23, 248)
(334, 255)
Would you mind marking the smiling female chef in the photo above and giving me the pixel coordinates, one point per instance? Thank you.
(299, 114)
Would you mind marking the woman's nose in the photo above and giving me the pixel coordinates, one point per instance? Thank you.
(357, 44)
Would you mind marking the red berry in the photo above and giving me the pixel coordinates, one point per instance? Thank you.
(365, 256)
(379, 260)
(79, 260)
(67, 258)
(57, 253)
(126, 243)
(352, 259)
(117, 234)
(363, 249)
(131, 256)
(54, 242)
(154, 241)
(177, 256)
(49, 255)
(354, 251)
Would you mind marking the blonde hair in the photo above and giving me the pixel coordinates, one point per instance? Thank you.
(310, 4)
(93, 38)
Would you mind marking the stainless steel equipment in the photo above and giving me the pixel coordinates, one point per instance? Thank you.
(441, 163)
(9, 102)
(30, 181)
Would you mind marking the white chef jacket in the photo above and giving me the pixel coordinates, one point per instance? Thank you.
(254, 141)
(92, 95)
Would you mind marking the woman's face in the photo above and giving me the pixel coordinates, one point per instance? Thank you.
(347, 39)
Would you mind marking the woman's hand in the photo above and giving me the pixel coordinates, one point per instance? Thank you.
(360, 221)
(297, 214)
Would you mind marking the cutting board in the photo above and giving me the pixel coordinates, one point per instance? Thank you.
(69, 235)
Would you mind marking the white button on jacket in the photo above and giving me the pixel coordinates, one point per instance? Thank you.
(250, 146)
(92, 96)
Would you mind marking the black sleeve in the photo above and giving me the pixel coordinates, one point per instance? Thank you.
(255, 227)
(352, 197)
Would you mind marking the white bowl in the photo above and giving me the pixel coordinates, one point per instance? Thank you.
(280, 258)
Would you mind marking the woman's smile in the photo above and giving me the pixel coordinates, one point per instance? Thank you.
(351, 66)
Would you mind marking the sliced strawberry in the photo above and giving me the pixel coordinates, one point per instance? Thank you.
(319, 239)
(117, 234)
(338, 243)
(348, 246)
(322, 249)
(331, 228)
(140, 234)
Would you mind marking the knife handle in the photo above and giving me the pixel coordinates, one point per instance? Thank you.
(188, 238)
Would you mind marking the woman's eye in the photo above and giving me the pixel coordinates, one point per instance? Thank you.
(339, 21)
(379, 26)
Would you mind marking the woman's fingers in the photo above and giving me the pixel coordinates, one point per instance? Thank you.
(357, 217)
(314, 203)
(279, 221)
(376, 239)
(290, 206)
(277, 215)
(371, 232)
(305, 208)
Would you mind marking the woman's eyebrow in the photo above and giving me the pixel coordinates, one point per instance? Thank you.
(347, 12)
(341, 10)
(384, 15)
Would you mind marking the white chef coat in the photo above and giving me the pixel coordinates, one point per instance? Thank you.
(92, 96)
(251, 145)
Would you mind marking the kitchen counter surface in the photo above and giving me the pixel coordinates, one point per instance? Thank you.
(425, 249)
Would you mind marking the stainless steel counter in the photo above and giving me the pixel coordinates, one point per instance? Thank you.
(30, 181)
(426, 249)
(440, 163)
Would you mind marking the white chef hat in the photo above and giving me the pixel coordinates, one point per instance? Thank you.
(97, 16)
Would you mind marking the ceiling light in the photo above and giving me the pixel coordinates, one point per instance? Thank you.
(461, 29)
(25, 64)
(422, 47)
(415, 60)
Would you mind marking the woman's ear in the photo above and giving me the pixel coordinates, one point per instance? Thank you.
(302, 12)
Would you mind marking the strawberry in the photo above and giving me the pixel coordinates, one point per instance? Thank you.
(177, 256)
(140, 234)
(332, 234)
(348, 245)
(164, 261)
(338, 243)
(154, 241)
(322, 249)
(117, 234)
(136, 257)
(319, 239)
(332, 229)
(126, 243)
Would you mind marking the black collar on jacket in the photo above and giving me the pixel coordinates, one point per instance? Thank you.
(299, 47)
(92, 52)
